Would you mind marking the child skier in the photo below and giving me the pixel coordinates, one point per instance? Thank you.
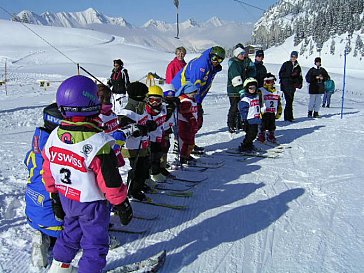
(137, 146)
(271, 108)
(187, 121)
(157, 112)
(80, 165)
(249, 108)
(43, 210)
(171, 104)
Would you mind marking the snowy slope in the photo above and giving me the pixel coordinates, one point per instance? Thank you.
(302, 212)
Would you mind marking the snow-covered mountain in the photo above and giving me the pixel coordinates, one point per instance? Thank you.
(314, 27)
(195, 36)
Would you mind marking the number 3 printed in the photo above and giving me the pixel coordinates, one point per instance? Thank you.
(66, 175)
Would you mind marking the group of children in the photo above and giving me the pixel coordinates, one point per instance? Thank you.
(259, 108)
(74, 181)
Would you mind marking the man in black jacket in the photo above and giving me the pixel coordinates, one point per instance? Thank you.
(316, 77)
(118, 82)
(290, 76)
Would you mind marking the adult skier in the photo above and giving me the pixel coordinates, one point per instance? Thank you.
(201, 72)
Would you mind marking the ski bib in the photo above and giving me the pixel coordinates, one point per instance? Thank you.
(109, 122)
(69, 165)
(270, 100)
(135, 143)
(160, 119)
(254, 107)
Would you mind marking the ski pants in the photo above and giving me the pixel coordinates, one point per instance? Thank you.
(155, 157)
(138, 174)
(186, 138)
(166, 144)
(288, 108)
(268, 122)
(251, 131)
(233, 114)
(86, 227)
(118, 101)
(314, 103)
(327, 99)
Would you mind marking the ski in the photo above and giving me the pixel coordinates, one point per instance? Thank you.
(173, 187)
(263, 154)
(144, 215)
(165, 205)
(129, 230)
(149, 265)
(277, 145)
(186, 176)
(172, 193)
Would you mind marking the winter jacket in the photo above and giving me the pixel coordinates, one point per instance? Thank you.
(261, 71)
(238, 72)
(173, 67)
(103, 165)
(200, 72)
(38, 209)
(119, 80)
(316, 86)
(249, 108)
(290, 76)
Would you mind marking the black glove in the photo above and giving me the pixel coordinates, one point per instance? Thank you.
(151, 125)
(142, 131)
(125, 212)
(57, 207)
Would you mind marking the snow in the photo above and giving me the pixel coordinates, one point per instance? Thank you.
(302, 212)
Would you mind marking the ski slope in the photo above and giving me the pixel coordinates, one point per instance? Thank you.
(301, 212)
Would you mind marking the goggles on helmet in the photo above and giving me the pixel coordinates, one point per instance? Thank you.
(216, 58)
(269, 81)
(154, 100)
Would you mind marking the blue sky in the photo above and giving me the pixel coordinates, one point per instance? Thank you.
(138, 12)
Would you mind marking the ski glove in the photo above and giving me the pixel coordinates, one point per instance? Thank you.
(57, 207)
(151, 125)
(125, 212)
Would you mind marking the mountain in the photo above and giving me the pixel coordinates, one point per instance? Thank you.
(193, 35)
(315, 26)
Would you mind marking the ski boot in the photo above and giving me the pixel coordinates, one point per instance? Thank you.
(167, 174)
(261, 137)
(40, 246)
(271, 137)
(316, 115)
(158, 178)
(309, 114)
(198, 150)
(59, 267)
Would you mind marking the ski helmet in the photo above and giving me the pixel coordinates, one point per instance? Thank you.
(168, 90)
(155, 90)
(137, 91)
(77, 96)
(52, 117)
(218, 51)
(269, 77)
(250, 81)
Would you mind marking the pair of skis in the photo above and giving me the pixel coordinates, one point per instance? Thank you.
(149, 265)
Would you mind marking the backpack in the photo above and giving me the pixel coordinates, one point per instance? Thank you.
(329, 86)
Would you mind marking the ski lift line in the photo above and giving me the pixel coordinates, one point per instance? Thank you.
(242, 2)
(43, 39)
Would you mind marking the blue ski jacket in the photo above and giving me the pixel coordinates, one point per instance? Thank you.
(198, 71)
(38, 209)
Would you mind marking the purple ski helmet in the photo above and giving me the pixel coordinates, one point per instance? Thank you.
(77, 96)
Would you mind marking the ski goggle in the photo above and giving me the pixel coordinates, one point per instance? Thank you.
(252, 87)
(215, 58)
(154, 100)
(269, 81)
